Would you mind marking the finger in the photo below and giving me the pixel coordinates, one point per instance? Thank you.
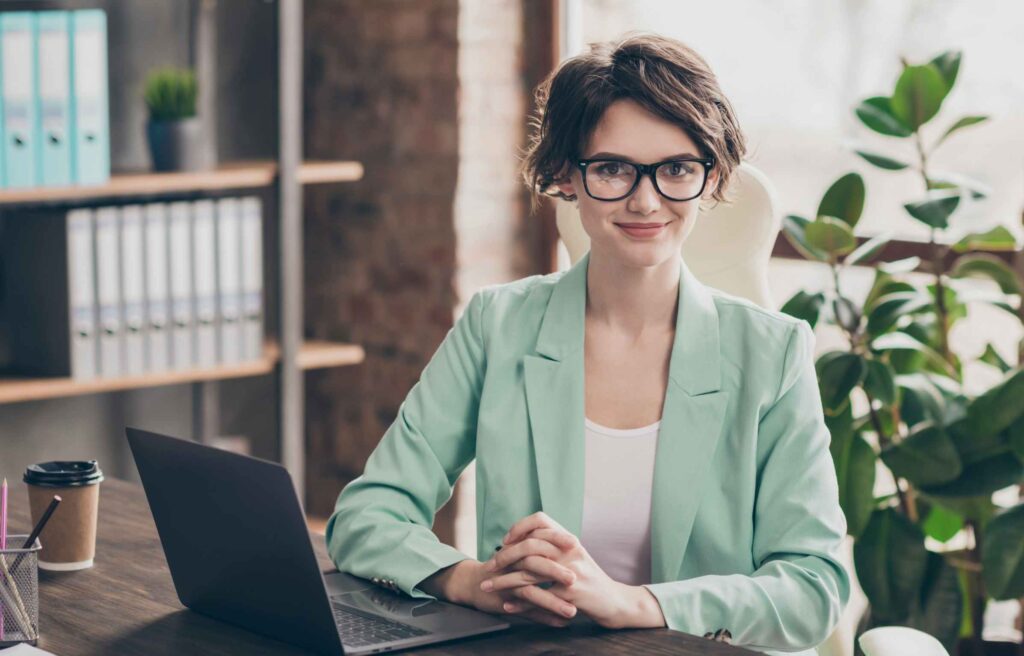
(542, 617)
(527, 524)
(560, 538)
(545, 600)
(515, 553)
(534, 569)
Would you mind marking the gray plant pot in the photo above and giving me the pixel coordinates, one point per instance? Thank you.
(178, 145)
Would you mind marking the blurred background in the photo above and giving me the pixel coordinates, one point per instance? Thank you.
(382, 140)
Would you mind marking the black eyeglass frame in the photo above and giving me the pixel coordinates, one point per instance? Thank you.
(649, 170)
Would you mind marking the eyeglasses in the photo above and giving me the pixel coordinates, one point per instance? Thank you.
(675, 179)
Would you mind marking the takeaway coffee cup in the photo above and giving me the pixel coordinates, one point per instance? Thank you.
(69, 538)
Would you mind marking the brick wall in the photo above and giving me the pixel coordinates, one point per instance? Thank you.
(428, 95)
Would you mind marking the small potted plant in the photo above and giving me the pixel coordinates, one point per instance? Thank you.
(175, 133)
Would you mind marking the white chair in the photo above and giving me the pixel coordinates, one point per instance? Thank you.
(899, 641)
(729, 249)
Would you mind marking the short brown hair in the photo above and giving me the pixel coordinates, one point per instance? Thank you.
(664, 76)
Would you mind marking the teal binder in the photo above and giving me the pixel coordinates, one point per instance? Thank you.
(90, 143)
(20, 117)
(54, 98)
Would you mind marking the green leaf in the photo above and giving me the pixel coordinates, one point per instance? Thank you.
(794, 227)
(922, 399)
(964, 122)
(984, 265)
(844, 199)
(948, 65)
(994, 411)
(889, 308)
(855, 472)
(919, 95)
(846, 313)
(935, 209)
(1002, 556)
(880, 382)
(942, 524)
(925, 457)
(877, 114)
(998, 238)
(1015, 438)
(838, 373)
(854, 461)
(992, 357)
(830, 235)
(805, 306)
(882, 161)
(902, 341)
(868, 249)
(890, 558)
(940, 603)
(975, 448)
(946, 180)
(981, 478)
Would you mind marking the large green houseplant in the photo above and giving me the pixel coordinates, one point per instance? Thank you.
(895, 394)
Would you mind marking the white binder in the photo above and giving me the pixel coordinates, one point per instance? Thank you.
(81, 279)
(158, 290)
(229, 278)
(204, 249)
(182, 328)
(133, 286)
(252, 277)
(108, 291)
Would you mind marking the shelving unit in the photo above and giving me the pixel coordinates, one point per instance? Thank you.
(280, 181)
(230, 175)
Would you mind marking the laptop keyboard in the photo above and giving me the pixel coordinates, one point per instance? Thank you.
(359, 629)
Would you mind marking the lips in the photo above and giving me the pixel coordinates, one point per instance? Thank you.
(642, 230)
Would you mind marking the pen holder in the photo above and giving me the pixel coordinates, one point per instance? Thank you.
(19, 593)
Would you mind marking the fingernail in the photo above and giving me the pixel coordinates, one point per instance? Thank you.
(487, 585)
(568, 611)
(508, 606)
(504, 540)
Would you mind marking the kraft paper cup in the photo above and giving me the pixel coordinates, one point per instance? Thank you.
(69, 538)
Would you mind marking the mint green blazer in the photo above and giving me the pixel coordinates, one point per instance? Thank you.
(745, 517)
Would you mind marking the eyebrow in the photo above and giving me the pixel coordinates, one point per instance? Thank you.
(625, 158)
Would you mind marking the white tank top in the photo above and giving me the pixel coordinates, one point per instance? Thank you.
(617, 500)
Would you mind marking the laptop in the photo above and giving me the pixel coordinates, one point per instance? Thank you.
(238, 548)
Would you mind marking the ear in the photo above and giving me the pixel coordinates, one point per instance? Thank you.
(712, 184)
(567, 187)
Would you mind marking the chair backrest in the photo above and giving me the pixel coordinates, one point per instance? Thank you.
(729, 247)
(899, 641)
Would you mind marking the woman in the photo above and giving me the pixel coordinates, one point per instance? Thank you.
(650, 451)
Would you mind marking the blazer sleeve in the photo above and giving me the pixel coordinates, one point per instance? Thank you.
(381, 525)
(794, 598)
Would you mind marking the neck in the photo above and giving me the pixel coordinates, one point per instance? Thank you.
(631, 299)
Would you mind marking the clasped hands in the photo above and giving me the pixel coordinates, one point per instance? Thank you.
(536, 552)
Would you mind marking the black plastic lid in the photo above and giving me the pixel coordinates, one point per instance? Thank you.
(63, 473)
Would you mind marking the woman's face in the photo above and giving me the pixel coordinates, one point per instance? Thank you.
(629, 132)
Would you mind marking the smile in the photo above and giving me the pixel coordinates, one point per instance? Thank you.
(642, 230)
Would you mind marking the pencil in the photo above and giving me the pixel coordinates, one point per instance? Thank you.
(36, 531)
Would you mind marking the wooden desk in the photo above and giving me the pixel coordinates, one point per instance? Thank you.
(126, 604)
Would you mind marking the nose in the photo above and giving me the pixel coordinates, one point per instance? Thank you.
(646, 199)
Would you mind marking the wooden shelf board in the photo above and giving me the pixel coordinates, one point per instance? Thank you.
(312, 355)
(321, 355)
(229, 175)
(317, 172)
(13, 390)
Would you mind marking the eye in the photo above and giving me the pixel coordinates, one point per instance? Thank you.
(679, 169)
(609, 168)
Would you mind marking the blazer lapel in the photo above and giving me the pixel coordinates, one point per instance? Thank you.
(555, 401)
(691, 425)
(691, 421)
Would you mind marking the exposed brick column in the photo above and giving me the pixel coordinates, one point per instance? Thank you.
(381, 87)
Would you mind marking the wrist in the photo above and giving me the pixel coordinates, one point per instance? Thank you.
(641, 609)
(451, 583)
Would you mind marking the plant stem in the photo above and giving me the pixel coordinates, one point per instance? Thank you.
(938, 256)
